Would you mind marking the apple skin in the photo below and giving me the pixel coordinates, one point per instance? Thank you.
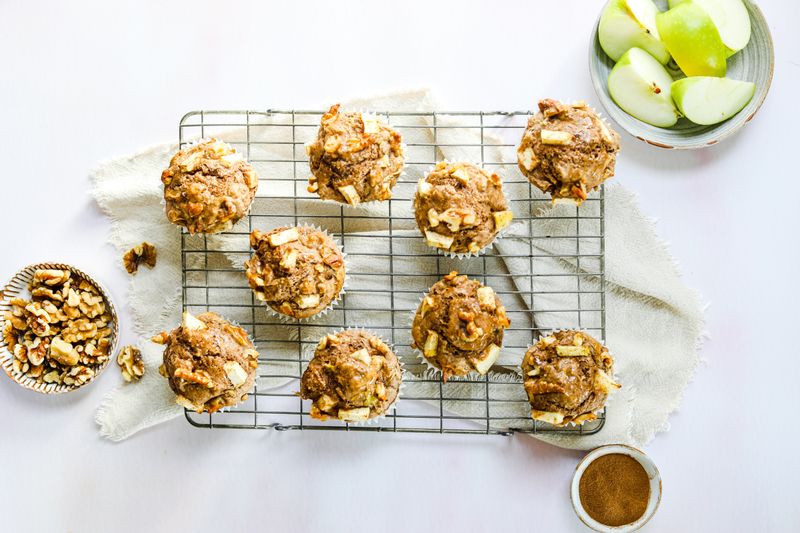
(640, 85)
(619, 31)
(709, 100)
(693, 40)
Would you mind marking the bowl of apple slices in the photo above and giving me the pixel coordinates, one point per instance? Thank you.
(681, 74)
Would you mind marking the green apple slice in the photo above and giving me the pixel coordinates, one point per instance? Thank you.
(693, 40)
(640, 85)
(645, 11)
(619, 31)
(708, 100)
(731, 19)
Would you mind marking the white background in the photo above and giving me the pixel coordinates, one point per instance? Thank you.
(81, 83)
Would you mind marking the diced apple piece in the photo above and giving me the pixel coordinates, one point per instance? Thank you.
(572, 351)
(545, 416)
(282, 237)
(371, 124)
(709, 100)
(359, 414)
(424, 188)
(693, 40)
(527, 159)
(431, 344)
(438, 240)
(236, 374)
(534, 371)
(556, 137)
(289, 260)
(350, 194)
(502, 219)
(486, 298)
(461, 175)
(619, 31)
(307, 301)
(484, 364)
(362, 355)
(640, 85)
(191, 322)
(326, 402)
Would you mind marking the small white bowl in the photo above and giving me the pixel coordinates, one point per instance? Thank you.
(652, 473)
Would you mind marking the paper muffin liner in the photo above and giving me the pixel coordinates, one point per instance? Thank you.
(429, 366)
(18, 286)
(392, 406)
(230, 223)
(596, 412)
(461, 255)
(288, 320)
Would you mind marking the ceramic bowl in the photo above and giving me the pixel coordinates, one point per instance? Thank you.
(652, 473)
(755, 63)
(18, 287)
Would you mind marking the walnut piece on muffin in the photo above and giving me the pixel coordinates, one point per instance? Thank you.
(354, 376)
(460, 207)
(459, 326)
(209, 362)
(208, 187)
(355, 158)
(298, 271)
(567, 150)
(568, 377)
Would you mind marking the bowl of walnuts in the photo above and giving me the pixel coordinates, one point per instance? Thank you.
(59, 328)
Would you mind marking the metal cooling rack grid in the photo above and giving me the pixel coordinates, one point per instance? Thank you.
(273, 141)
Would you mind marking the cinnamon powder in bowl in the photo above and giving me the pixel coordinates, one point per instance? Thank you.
(616, 488)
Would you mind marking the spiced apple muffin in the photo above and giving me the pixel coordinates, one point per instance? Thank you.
(459, 326)
(208, 187)
(568, 377)
(297, 271)
(209, 362)
(460, 207)
(355, 158)
(354, 376)
(567, 150)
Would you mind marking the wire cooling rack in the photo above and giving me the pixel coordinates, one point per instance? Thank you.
(549, 271)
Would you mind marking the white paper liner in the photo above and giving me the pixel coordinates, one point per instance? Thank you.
(430, 367)
(596, 412)
(461, 255)
(392, 406)
(288, 320)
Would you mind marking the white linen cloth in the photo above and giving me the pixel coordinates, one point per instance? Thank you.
(654, 322)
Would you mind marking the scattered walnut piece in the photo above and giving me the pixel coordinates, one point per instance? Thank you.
(144, 253)
(130, 363)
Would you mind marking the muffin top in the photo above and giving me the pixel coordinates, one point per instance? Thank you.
(567, 377)
(298, 271)
(355, 158)
(209, 362)
(567, 150)
(459, 326)
(208, 187)
(354, 376)
(460, 207)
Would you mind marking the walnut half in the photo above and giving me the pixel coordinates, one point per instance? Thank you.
(139, 254)
(130, 363)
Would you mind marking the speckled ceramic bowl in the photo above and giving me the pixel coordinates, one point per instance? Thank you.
(655, 488)
(754, 63)
(18, 287)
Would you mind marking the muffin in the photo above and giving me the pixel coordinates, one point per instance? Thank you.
(355, 158)
(460, 207)
(459, 326)
(209, 362)
(568, 376)
(208, 187)
(298, 271)
(567, 150)
(354, 376)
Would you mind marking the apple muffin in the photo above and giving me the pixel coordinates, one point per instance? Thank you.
(354, 376)
(459, 326)
(355, 158)
(568, 377)
(297, 271)
(208, 187)
(567, 150)
(460, 207)
(209, 362)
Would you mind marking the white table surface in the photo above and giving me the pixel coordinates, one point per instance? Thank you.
(81, 83)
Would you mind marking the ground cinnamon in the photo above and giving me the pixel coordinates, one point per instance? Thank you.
(614, 489)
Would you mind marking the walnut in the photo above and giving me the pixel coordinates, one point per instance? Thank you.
(200, 377)
(144, 253)
(130, 363)
(63, 352)
(51, 277)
